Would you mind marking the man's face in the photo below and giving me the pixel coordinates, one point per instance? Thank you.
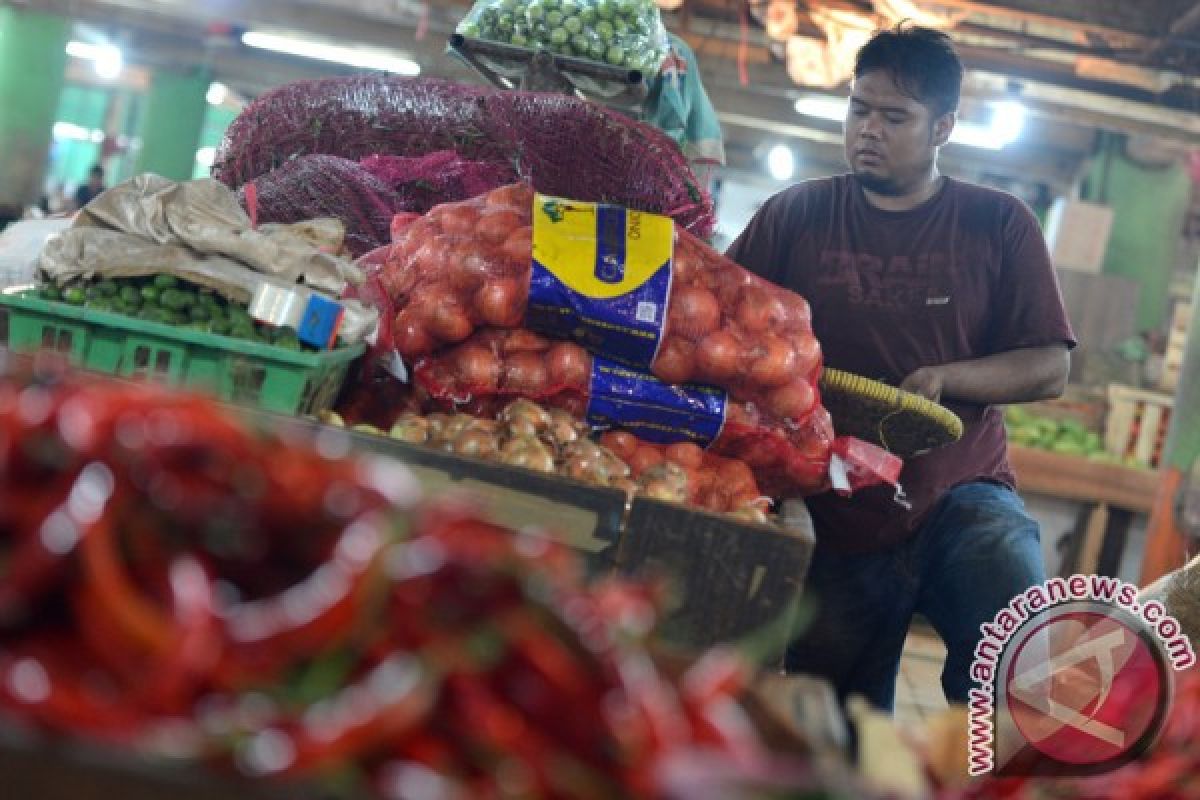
(95, 180)
(891, 138)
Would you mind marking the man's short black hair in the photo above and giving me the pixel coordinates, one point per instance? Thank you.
(921, 62)
(97, 170)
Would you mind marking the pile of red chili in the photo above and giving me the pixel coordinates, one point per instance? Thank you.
(174, 582)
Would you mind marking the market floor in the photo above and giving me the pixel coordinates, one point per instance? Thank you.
(919, 687)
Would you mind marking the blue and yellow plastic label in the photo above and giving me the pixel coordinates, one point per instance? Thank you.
(601, 277)
(636, 401)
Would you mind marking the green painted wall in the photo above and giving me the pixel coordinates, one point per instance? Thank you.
(174, 118)
(1149, 205)
(33, 63)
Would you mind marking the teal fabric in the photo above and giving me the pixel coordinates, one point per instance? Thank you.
(679, 106)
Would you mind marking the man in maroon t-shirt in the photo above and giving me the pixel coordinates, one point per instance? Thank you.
(945, 289)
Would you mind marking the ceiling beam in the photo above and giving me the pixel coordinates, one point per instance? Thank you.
(1073, 13)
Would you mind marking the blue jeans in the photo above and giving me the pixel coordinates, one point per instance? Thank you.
(977, 550)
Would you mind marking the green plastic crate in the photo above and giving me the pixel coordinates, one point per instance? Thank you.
(235, 370)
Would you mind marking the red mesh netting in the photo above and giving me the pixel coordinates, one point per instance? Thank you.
(314, 186)
(494, 366)
(563, 145)
(467, 265)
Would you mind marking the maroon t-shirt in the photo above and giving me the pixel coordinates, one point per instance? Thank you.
(964, 275)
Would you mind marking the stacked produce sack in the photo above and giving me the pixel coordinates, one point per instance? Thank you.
(639, 325)
(362, 148)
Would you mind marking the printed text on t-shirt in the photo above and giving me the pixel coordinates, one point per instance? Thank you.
(902, 282)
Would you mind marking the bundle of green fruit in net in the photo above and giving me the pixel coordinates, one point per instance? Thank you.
(169, 300)
(621, 33)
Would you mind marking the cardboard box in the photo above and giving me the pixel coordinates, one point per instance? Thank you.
(1077, 234)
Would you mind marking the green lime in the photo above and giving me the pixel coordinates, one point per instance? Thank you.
(50, 292)
(75, 296)
(166, 281)
(107, 287)
(615, 56)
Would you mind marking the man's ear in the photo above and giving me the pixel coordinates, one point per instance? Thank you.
(943, 126)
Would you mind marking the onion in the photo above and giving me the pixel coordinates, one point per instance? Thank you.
(808, 354)
(523, 341)
(773, 362)
(517, 196)
(623, 444)
(685, 454)
(793, 401)
(764, 310)
(676, 362)
(734, 476)
(643, 459)
(449, 320)
(518, 247)
(477, 368)
(467, 266)
(526, 415)
(525, 372)
(410, 335)
(410, 428)
(496, 225)
(479, 444)
(694, 312)
(500, 303)
(430, 257)
(719, 356)
(569, 365)
(457, 219)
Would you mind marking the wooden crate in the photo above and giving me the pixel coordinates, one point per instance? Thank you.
(1137, 423)
(1181, 320)
(734, 581)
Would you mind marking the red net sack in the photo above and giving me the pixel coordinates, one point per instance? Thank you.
(309, 187)
(563, 145)
(494, 366)
(468, 265)
(423, 182)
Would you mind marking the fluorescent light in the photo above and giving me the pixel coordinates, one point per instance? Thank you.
(107, 60)
(1008, 119)
(205, 156)
(109, 63)
(83, 50)
(354, 57)
(822, 107)
(69, 130)
(217, 94)
(781, 163)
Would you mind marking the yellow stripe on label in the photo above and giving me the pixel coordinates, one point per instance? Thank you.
(565, 243)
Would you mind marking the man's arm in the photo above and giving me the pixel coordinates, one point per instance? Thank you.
(1016, 376)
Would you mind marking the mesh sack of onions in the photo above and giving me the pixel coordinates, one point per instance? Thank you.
(494, 365)
(468, 265)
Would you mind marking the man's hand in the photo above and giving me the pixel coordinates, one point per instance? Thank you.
(927, 382)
